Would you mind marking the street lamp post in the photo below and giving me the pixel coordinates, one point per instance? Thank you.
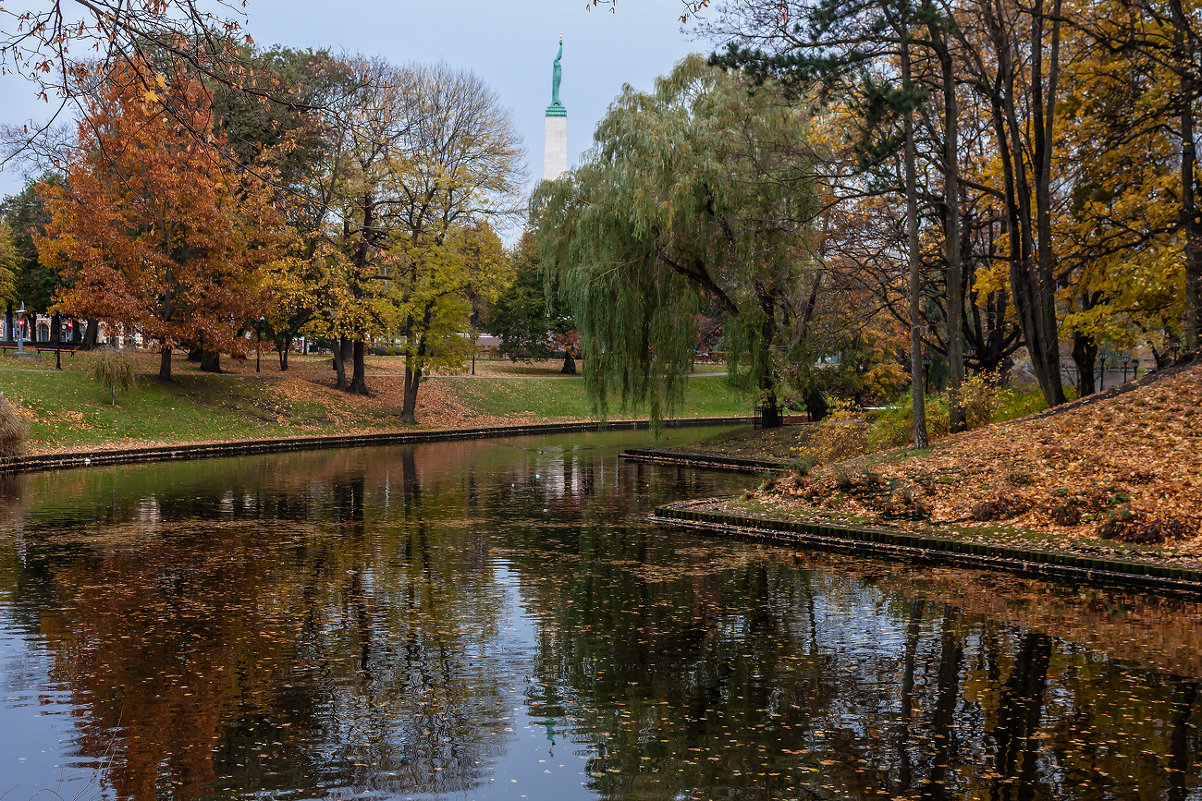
(58, 341)
(21, 329)
(1126, 361)
(260, 324)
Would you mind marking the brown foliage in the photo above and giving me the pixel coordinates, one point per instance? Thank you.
(1000, 507)
(150, 229)
(1128, 468)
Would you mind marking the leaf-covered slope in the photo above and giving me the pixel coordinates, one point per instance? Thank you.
(1126, 467)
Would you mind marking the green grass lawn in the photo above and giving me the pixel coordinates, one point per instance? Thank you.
(564, 398)
(68, 409)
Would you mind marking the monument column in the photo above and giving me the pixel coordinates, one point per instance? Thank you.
(555, 153)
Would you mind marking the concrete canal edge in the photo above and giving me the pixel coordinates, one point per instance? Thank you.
(736, 464)
(903, 545)
(165, 453)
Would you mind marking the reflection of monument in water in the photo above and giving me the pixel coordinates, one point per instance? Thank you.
(555, 155)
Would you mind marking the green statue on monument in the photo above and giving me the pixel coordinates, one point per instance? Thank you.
(556, 108)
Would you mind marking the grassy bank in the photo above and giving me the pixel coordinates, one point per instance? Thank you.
(68, 410)
(1117, 475)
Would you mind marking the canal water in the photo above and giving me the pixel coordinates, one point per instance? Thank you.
(494, 620)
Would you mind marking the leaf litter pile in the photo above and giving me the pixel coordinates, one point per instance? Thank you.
(1123, 471)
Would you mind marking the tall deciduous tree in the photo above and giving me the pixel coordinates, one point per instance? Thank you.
(431, 159)
(456, 172)
(150, 230)
(432, 294)
(297, 134)
(700, 190)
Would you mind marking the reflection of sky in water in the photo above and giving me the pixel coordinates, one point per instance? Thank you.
(37, 736)
(487, 620)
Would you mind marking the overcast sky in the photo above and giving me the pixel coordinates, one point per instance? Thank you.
(510, 43)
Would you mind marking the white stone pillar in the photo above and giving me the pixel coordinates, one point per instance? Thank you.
(555, 155)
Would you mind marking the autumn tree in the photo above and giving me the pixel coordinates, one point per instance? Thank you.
(149, 230)
(297, 135)
(126, 40)
(432, 296)
(864, 55)
(430, 162)
(34, 283)
(457, 172)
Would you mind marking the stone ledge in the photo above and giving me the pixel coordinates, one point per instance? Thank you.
(737, 464)
(916, 547)
(162, 453)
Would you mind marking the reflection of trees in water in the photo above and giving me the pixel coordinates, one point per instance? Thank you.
(701, 669)
(353, 641)
(355, 650)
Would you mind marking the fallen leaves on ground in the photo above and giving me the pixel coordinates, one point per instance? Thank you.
(1125, 468)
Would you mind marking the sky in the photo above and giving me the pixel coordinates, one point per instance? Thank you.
(509, 43)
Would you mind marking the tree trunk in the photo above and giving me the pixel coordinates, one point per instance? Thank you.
(165, 364)
(1044, 131)
(342, 354)
(1034, 297)
(358, 384)
(1085, 356)
(8, 323)
(413, 377)
(569, 364)
(769, 399)
(210, 361)
(1192, 329)
(816, 405)
(951, 235)
(283, 351)
(91, 334)
(917, 384)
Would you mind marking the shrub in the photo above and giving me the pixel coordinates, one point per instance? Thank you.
(114, 369)
(1000, 507)
(982, 397)
(1124, 525)
(906, 503)
(861, 483)
(14, 428)
(1014, 404)
(838, 436)
(895, 427)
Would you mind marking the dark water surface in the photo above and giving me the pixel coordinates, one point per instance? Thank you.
(493, 619)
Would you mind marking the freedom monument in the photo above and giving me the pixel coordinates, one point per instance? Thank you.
(555, 154)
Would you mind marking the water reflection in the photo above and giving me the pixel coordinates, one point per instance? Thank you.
(492, 619)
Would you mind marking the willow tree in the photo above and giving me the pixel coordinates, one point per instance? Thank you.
(699, 193)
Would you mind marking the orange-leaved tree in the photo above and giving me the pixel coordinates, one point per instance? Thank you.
(150, 230)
